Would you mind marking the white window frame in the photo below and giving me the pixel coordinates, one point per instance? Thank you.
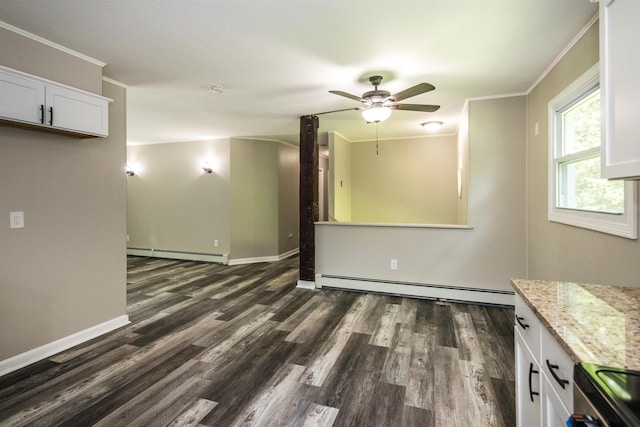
(624, 225)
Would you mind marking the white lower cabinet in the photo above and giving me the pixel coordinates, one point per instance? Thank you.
(528, 411)
(554, 412)
(544, 373)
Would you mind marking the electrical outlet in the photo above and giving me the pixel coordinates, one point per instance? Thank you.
(394, 264)
(17, 219)
(215, 243)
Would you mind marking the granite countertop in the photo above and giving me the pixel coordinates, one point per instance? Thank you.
(593, 323)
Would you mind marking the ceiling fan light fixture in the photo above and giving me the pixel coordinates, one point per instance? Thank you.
(376, 113)
(431, 126)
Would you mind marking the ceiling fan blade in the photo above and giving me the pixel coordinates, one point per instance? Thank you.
(337, 111)
(412, 91)
(346, 95)
(416, 107)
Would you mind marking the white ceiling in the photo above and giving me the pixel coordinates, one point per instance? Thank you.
(277, 59)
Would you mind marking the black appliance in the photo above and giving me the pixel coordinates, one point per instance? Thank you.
(611, 395)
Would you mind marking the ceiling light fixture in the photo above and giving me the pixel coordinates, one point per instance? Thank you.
(431, 126)
(376, 113)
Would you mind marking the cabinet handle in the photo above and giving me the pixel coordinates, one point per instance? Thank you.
(552, 369)
(51, 116)
(531, 372)
(521, 323)
(41, 113)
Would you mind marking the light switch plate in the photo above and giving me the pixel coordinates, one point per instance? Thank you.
(17, 219)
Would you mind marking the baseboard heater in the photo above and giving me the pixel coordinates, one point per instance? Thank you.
(189, 256)
(418, 290)
(271, 258)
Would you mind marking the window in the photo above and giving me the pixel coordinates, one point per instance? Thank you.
(577, 194)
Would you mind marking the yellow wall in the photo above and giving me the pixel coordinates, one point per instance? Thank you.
(406, 181)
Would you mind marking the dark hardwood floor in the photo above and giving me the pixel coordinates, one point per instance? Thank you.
(221, 345)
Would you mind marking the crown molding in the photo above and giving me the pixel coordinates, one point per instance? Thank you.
(51, 44)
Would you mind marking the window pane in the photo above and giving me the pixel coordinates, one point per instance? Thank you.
(583, 189)
(581, 124)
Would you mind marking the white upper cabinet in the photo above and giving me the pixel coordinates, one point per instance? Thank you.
(77, 111)
(620, 88)
(21, 98)
(45, 105)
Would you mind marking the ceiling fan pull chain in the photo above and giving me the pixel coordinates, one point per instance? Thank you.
(377, 123)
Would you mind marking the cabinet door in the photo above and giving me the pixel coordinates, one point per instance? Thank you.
(554, 412)
(21, 98)
(528, 407)
(77, 111)
(620, 87)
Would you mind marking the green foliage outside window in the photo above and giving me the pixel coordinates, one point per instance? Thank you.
(579, 177)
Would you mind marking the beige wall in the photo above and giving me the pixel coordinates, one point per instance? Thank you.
(24, 54)
(249, 204)
(264, 199)
(462, 169)
(558, 251)
(339, 178)
(288, 198)
(65, 271)
(254, 198)
(172, 204)
(487, 255)
(407, 181)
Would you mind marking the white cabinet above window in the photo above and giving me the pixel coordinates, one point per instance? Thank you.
(620, 85)
(32, 102)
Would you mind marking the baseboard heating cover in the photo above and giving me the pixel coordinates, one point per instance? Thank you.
(189, 256)
(39, 353)
(272, 258)
(418, 290)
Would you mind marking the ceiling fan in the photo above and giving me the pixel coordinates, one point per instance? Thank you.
(379, 103)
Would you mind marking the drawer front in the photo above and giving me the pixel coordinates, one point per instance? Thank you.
(557, 367)
(529, 326)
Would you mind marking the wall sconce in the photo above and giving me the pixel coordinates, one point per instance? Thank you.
(206, 168)
(431, 126)
(129, 170)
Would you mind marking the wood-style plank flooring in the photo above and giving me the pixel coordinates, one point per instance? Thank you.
(215, 345)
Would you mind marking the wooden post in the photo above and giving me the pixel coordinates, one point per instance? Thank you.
(308, 195)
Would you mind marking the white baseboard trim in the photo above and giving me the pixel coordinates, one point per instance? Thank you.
(47, 350)
(288, 254)
(419, 290)
(188, 256)
(271, 258)
(305, 284)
